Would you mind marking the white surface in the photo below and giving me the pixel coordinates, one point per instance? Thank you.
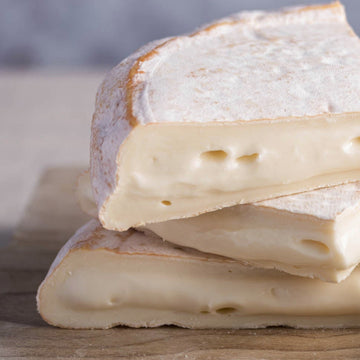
(307, 56)
(45, 121)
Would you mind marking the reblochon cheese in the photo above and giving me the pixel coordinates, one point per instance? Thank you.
(313, 234)
(248, 108)
(101, 279)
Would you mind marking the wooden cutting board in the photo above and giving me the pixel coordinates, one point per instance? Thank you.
(51, 217)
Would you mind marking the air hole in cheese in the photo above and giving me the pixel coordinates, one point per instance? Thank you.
(317, 247)
(226, 310)
(112, 301)
(214, 155)
(353, 144)
(247, 158)
(166, 202)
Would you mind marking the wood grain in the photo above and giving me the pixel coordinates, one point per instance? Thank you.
(48, 221)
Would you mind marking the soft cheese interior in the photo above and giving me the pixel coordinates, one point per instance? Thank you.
(185, 170)
(314, 234)
(102, 279)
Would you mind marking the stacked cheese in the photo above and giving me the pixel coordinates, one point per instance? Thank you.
(225, 170)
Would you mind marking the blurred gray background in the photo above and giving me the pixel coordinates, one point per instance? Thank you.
(87, 33)
(53, 55)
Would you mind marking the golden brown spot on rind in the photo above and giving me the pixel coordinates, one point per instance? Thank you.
(131, 83)
(335, 4)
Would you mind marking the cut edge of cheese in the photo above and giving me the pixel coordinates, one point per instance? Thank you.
(175, 174)
(314, 234)
(102, 279)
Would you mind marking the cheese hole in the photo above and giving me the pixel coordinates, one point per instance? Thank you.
(112, 301)
(352, 145)
(247, 159)
(279, 292)
(204, 312)
(317, 247)
(356, 141)
(166, 202)
(226, 310)
(214, 155)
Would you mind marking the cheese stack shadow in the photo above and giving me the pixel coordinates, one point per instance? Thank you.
(225, 182)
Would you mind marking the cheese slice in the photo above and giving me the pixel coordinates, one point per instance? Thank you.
(101, 279)
(314, 234)
(248, 108)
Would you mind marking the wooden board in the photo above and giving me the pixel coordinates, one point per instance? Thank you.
(50, 218)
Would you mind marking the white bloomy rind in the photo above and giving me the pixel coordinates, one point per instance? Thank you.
(101, 279)
(274, 95)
